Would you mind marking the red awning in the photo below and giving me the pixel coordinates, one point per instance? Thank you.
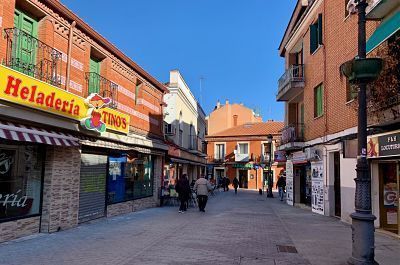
(23, 133)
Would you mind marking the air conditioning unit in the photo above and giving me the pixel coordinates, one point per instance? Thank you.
(312, 154)
(169, 129)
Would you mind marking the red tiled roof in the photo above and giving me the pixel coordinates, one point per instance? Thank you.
(248, 129)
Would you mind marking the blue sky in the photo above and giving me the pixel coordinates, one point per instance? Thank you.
(233, 44)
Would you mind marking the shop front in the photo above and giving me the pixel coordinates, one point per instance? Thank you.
(384, 156)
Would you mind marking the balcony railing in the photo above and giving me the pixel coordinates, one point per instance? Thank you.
(213, 159)
(293, 133)
(32, 57)
(102, 86)
(295, 73)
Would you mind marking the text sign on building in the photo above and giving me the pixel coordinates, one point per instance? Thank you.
(24, 90)
(384, 145)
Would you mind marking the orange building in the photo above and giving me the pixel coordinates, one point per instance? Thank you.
(228, 116)
(243, 152)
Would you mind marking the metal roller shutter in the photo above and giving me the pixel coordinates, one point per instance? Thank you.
(92, 187)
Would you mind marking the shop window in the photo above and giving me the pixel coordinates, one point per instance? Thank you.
(130, 177)
(20, 181)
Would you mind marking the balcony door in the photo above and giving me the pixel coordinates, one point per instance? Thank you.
(94, 79)
(25, 48)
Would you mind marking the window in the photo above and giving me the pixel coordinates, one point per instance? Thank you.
(130, 177)
(351, 91)
(94, 76)
(318, 101)
(316, 34)
(346, 12)
(243, 148)
(20, 181)
(137, 88)
(220, 151)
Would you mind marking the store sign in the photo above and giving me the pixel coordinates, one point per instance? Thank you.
(280, 156)
(317, 183)
(384, 145)
(289, 183)
(24, 90)
(243, 166)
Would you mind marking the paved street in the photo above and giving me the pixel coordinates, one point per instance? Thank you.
(242, 229)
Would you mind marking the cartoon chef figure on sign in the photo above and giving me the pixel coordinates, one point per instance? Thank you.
(93, 120)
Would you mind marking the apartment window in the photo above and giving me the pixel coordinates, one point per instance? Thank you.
(243, 148)
(346, 12)
(351, 91)
(220, 151)
(318, 101)
(137, 88)
(316, 34)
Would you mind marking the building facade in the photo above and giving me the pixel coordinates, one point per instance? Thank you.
(320, 131)
(244, 152)
(81, 124)
(185, 130)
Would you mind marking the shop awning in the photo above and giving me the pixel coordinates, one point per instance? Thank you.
(23, 133)
(384, 31)
(119, 146)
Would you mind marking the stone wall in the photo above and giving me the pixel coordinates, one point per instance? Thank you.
(61, 188)
(19, 228)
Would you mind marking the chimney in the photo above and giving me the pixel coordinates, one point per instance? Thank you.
(226, 102)
(270, 120)
(218, 104)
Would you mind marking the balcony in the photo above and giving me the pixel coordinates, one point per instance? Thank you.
(292, 137)
(102, 86)
(215, 160)
(291, 83)
(378, 9)
(242, 157)
(32, 57)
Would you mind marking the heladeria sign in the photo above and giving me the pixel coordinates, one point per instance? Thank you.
(384, 145)
(21, 89)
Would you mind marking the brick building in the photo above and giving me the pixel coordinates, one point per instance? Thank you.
(320, 131)
(81, 125)
(242, 151)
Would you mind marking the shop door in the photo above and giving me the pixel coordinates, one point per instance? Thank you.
(92, 195)
(389, 196)
(243, 179)
(336, 172)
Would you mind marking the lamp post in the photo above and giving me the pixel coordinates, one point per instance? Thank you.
(269, 141)
(361, 71)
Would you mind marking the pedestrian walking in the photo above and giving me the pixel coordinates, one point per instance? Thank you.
(202, 187)
(281, 186)
(235, 184)
(224, 183)
(183, 190)
(227, 182)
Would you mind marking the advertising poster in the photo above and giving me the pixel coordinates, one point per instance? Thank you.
(317, 182)
(289, 182)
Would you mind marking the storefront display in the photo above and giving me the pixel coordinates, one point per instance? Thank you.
(289, 183)
(21, 170)
(389, 192)
(130, 177)
(317, 187)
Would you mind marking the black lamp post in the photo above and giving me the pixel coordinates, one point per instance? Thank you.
(269, 141)
(361, 71)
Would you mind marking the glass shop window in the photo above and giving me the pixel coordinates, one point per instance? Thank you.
(20, 181)
(130, 177)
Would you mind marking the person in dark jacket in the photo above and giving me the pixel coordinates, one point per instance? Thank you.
(183, 190)
(235, 184)
(227, 182)
(281, 186)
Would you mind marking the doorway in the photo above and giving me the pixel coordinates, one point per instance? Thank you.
(243, 179)
(336, 184)
(388, 195)
(219, 174)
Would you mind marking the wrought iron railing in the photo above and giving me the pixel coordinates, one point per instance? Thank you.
(32, 57)
(293, 133)
(213, 159)
(96, 83)
(295, 73)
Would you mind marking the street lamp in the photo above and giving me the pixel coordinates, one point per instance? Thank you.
(269, 141)
(361, 71)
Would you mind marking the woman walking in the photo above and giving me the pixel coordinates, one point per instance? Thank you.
(183, 190)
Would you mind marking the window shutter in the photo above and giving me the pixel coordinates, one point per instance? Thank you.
(313, 38)
(319, 29)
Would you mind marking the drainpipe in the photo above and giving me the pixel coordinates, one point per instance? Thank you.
(71, 34)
